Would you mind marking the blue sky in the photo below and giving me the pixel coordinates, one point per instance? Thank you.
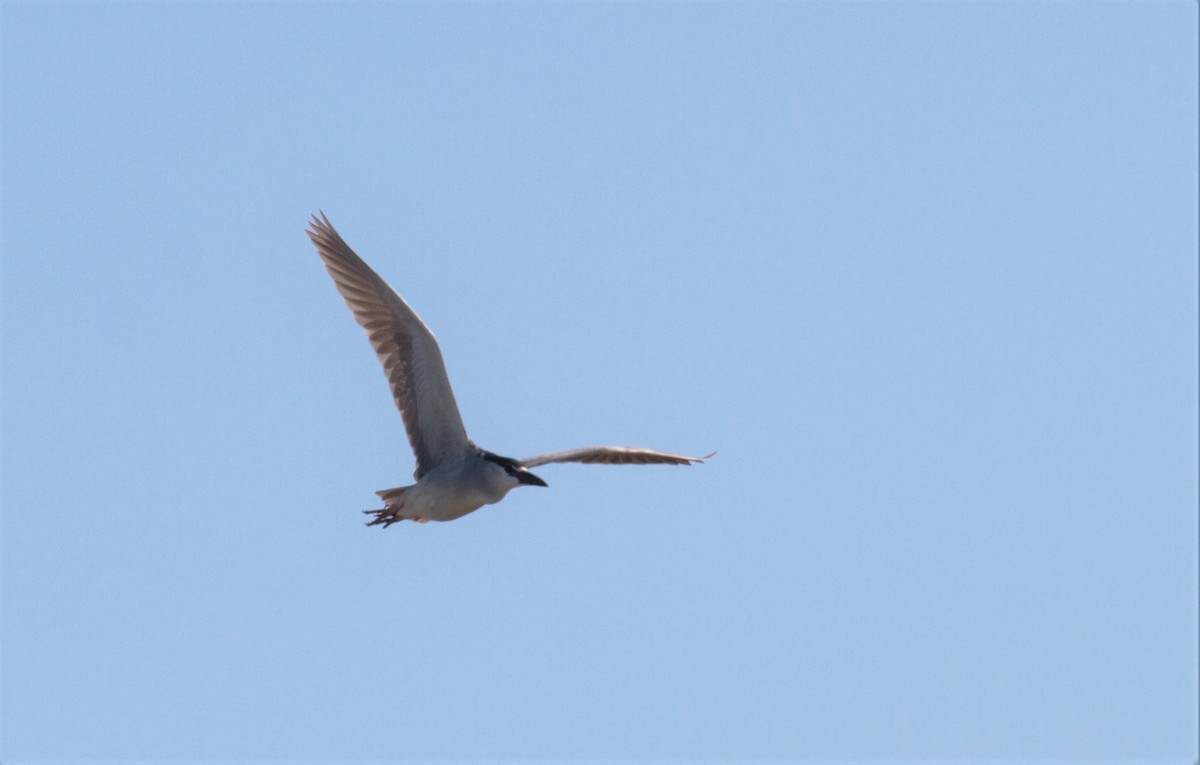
(924, 275)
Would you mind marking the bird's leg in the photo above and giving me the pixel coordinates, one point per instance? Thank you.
(389, 515)
(385, 515)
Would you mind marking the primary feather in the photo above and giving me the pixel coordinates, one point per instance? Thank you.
(613, 455)
(407, 349)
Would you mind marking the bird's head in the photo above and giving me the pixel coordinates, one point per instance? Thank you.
(513, 469)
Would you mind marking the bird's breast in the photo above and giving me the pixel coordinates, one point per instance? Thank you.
(444, 498)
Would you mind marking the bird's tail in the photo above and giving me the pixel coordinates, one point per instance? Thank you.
(393, 498)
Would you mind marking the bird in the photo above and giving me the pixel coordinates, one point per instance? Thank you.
(453, 476)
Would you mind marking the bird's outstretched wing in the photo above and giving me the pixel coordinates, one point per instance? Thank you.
(405, 346)
(613, 455)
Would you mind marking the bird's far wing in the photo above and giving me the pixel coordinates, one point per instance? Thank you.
(405, 346)
(614, 455)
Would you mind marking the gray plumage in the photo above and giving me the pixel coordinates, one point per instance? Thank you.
(454, 476)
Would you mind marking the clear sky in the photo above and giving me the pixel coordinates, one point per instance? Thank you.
(924, 275)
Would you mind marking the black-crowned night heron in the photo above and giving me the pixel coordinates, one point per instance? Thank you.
(454, 476)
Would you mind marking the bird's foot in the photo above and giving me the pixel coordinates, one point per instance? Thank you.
(386, 516)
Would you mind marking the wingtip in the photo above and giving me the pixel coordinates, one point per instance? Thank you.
(321, 222)
(706, 457)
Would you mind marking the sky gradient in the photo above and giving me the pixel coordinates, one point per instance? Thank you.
(924, 275)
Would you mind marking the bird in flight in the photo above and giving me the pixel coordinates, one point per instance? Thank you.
(454, 476)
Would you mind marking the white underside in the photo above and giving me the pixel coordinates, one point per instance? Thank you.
(443, 496)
